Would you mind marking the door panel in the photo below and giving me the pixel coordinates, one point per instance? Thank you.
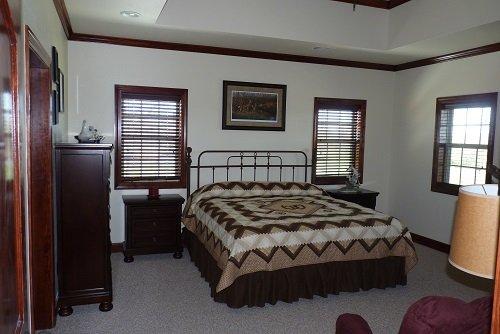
(11, 248)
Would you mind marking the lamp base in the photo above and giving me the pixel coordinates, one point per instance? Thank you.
(153, 193)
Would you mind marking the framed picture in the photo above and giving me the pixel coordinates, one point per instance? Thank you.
(55, 107)
(60, 90)
(253, 106)
(55, 65)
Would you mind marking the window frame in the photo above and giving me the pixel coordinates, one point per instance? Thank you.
(337, 103)
(441, 103)
(155, 91)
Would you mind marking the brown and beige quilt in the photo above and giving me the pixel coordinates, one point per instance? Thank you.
(264, 226)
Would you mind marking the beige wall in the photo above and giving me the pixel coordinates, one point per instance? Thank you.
(94, 69)
(42, 18)
(400, 117)
(429, 213)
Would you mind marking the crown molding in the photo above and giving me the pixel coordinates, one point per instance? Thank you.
(62, 12)
(74, 36)
(395, 3)
(495, 47)
(382, 4)
(228, 51)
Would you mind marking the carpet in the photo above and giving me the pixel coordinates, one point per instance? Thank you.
(158, 294)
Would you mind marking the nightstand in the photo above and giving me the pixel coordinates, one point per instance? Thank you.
(364, 197)
(152, 225)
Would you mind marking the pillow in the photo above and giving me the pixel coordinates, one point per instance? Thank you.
(445, 315)
(348, 323)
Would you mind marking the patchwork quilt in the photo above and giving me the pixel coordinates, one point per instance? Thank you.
(264, 226)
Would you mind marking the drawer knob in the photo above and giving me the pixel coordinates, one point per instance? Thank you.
(155, 224)
(154, 239)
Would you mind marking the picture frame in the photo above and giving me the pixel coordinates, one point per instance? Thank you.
(60, 90)
(55, 65)
(253, 106)
(55, 107)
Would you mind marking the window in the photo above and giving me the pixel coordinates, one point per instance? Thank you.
(338, 142)
(463, 142)
(150, 137)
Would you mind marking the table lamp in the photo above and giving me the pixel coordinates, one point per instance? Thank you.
(475, 231)
(475, 238)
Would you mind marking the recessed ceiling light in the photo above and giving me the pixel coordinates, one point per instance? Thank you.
(130, 13)
(321, 48)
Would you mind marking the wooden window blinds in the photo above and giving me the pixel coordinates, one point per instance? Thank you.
(150, 137)
(338, 142)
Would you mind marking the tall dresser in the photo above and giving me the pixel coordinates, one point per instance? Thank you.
(83, 241)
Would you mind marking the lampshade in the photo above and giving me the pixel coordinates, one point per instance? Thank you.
(475, 231)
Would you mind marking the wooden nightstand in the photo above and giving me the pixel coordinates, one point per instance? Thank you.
(366, 198)
(152, 225)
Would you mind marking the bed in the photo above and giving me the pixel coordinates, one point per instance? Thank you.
(258, 242)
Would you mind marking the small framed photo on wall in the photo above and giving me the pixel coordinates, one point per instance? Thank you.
(60, 90)
(55, 107)
(55, 65)
(253, 106)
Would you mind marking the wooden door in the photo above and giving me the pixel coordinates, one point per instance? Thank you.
(11, 241)
(40, 187)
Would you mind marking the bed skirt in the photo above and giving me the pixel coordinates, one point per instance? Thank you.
(290, 284)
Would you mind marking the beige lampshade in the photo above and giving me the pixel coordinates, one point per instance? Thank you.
(475, 231)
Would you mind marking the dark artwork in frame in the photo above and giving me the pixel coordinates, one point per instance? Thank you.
(253, 106)
(55, 65)
(55, 107)
(60, 91)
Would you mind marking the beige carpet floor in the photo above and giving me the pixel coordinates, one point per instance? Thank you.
(158, 294)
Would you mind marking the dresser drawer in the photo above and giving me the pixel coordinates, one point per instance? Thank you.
(153, 239)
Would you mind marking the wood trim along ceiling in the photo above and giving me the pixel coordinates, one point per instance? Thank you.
(383, 4)
(74, 36)
(228, 51)
(495, 47)
(62, 12)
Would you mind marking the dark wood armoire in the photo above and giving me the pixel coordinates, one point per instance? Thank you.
(83, 240)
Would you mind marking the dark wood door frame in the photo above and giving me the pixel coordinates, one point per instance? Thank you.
(40, 185)
(12, 278)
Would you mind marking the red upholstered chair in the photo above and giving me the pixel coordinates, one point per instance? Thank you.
(431, 315)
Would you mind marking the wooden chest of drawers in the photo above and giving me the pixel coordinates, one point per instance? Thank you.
(83, 242)
(152, 225)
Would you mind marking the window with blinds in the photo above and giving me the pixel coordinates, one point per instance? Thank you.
(464, 139)
(338, 141)
(150, 137)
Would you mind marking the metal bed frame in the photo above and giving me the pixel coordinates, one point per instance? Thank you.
(246, 159)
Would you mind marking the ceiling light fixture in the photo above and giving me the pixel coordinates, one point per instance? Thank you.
(130, 13)
(321, 48)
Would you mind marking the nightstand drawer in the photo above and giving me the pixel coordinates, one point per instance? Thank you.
(153, 239)
(155, 224)
(154, 211)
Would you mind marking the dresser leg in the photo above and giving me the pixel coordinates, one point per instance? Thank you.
(128, 259)
(178, 255)
(105, 306)
(65, 310)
